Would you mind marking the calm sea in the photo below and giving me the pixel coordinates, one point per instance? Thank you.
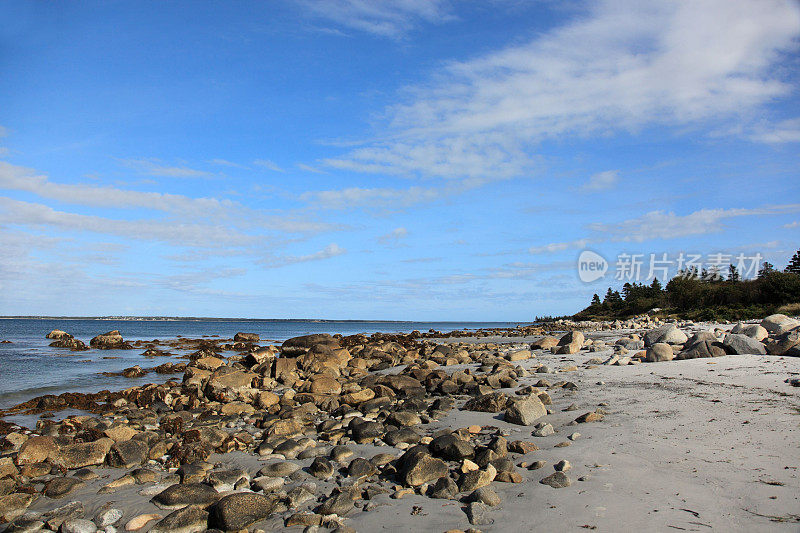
(30, 368)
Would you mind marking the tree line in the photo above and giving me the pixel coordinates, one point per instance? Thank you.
(704, 295)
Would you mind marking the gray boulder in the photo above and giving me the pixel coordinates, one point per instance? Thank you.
(739, 344)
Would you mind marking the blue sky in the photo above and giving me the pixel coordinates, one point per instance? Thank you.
(413, 159)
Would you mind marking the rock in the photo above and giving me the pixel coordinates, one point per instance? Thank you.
(109, 341)
(754, 331)
(13, 505)
(778, 324)
(323, 384)
(246, 337)
(401, 436)
(134, 372)
(181, 495)
(557, 480)
(339, 504)
(366, 432)
(485, 495)
(128, 453)
(488, 403)
(190, 519)
(742, 344)
(120, 433)
(61, 486)
(238, 511)
(478, 514)
(659, 351)
(525, 412)
(536, 465)
(668, 333)
(451, 448)
(78, 525)
(543, 430)
(108, 517)
(81, 454)
(138, 522)
(545, 343)
(360, 468)
(321, 468)
(37, 450)
(570, 343)
(562, 466)
(476, 479)
(444, 488)
(58, 334)
(281, 469)
(589, 417)
(420, 467)
(267, 484)
(783, 343)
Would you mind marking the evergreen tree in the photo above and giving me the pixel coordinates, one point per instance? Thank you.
(595, 300)
(655, 286)
(794, 264)
(608, 297)
(733, 273)
(626, 291)
(766, 268)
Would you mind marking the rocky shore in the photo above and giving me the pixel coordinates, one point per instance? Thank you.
(497, 430)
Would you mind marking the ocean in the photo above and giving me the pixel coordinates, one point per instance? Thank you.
(30, 368)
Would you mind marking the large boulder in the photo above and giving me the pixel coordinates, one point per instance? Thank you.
(778, 324)
(239, 510)
(180, 495)
(81, 454)
(418, 467)
(739, 344)
(668, 333)
(109, 341)
(37, 450)
(190, 519)
(493, 402)
(660, 351)
(246, 337)
(785, 344)
(570, 343)
(299, 345)
(525, 412)
(227, 384)
(754, 331)
(58, 334)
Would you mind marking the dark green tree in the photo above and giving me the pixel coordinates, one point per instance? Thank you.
(794, 264)
(596, 301)
(733, 273)
(766, 268)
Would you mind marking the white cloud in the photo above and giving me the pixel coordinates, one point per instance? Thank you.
(226, 163)
(309, 168)
(385, 18)
(558, 246)
(624, 66)
(394, 236)
(601, 181)
(785, 131)
(266, 163)
(792, 225)
(332, 250)
(154, 167)
(14, 212)
(663, 225)
(13, 177)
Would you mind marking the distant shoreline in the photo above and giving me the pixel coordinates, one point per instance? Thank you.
(229, 319)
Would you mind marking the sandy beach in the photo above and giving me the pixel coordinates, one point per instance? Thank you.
(689, 445)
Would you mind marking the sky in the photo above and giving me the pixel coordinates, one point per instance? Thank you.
(377, 159)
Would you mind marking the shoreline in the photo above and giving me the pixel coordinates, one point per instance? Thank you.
(687, 444)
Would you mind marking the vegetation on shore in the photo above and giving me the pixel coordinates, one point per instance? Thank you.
(705, 295)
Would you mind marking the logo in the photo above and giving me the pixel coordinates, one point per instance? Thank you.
(591, 266)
